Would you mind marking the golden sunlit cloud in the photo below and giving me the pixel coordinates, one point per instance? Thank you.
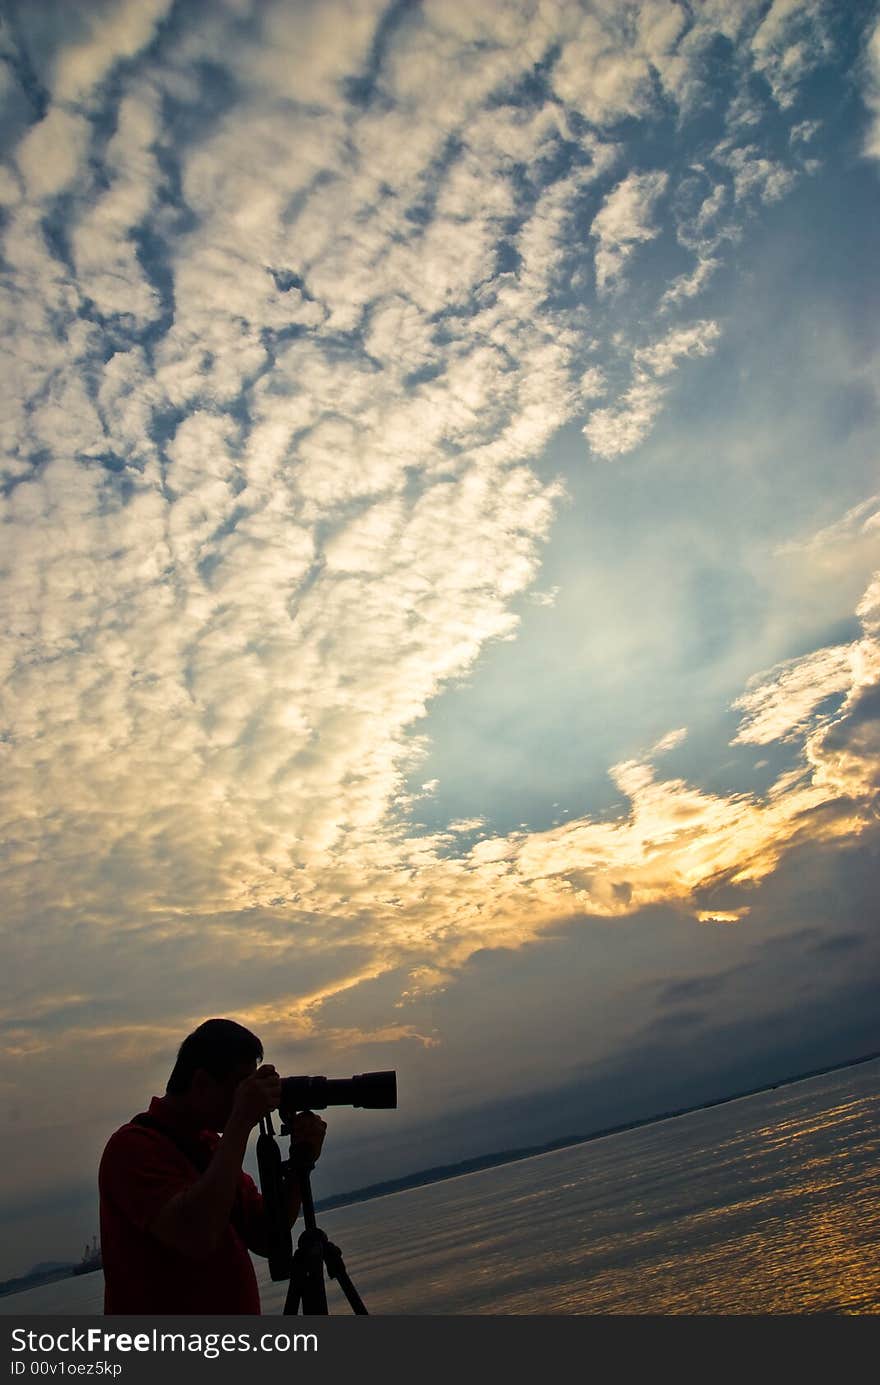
(421, 906)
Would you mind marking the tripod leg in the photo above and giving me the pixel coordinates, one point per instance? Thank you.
(351, 1293)
(314, 1294)
(336, 1270)
(313, 1250)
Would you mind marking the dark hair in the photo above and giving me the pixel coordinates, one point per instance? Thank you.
(217, 1046)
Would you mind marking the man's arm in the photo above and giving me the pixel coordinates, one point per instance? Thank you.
(308, 1131)
(193, 1221)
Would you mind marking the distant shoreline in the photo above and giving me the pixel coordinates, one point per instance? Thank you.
(441, 1172)
(21, 1282)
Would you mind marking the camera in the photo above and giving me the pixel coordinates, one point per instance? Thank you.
(304, 1268)
(372, 1090)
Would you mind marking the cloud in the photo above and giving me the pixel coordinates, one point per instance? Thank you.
(804, 131)
(861, 521)
(663, 356)
(691, 284)
(103, 240)
(115, 32)
(623, 222)
(421, 904)
(52, 152)
(788, 44)
(612, 432)
(606, 67)
(753, 173)
(671, 741)
(304, 54)
(841, 746)
(871, 91)
(621, 427)
(845, 752)
(698, 207)
(780, 704)
(260, 572)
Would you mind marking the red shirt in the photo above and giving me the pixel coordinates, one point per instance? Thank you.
(140, 1170)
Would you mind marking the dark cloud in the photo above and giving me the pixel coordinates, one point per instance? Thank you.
(680, 1018)
(697, 987)
(843, 943)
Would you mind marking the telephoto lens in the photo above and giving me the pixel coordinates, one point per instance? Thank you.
(373, 1090)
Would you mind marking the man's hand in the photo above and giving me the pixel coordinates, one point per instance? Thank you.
(256, 1096)
(306, 1138)
(308, 1131)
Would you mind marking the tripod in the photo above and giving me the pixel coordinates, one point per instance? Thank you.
(304, 1267)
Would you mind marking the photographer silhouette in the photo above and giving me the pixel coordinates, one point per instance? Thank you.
(178, 1214)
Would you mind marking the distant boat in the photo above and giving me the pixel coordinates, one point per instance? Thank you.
(91, 1259)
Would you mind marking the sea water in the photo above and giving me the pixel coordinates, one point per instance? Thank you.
(767, 1204)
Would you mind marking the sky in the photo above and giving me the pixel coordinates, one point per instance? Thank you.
(440, 562)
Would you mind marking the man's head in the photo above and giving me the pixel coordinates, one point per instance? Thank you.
(210, 1064)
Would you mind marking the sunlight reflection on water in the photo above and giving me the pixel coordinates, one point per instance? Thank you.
(765, 1205)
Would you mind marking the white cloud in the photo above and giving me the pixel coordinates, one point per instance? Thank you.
(842, 746)
(449, 56)
(607, 65)
(303, 53)
(52, 154)
(844, 752)
(781, 703)
(614, 431)
(804, 131)
(618, 429)
(871, 91)
(689, 285)
(731, 18)
(868, 609)
(752, 173)
(788, 44)
(625, 221)
(862, 521)
(698, 213)
(593, 383)
(698, 339)
(102, 240)
(117, 31)
(671, 741)
(600, 75)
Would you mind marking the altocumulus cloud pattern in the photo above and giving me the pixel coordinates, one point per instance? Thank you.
(294, 297)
